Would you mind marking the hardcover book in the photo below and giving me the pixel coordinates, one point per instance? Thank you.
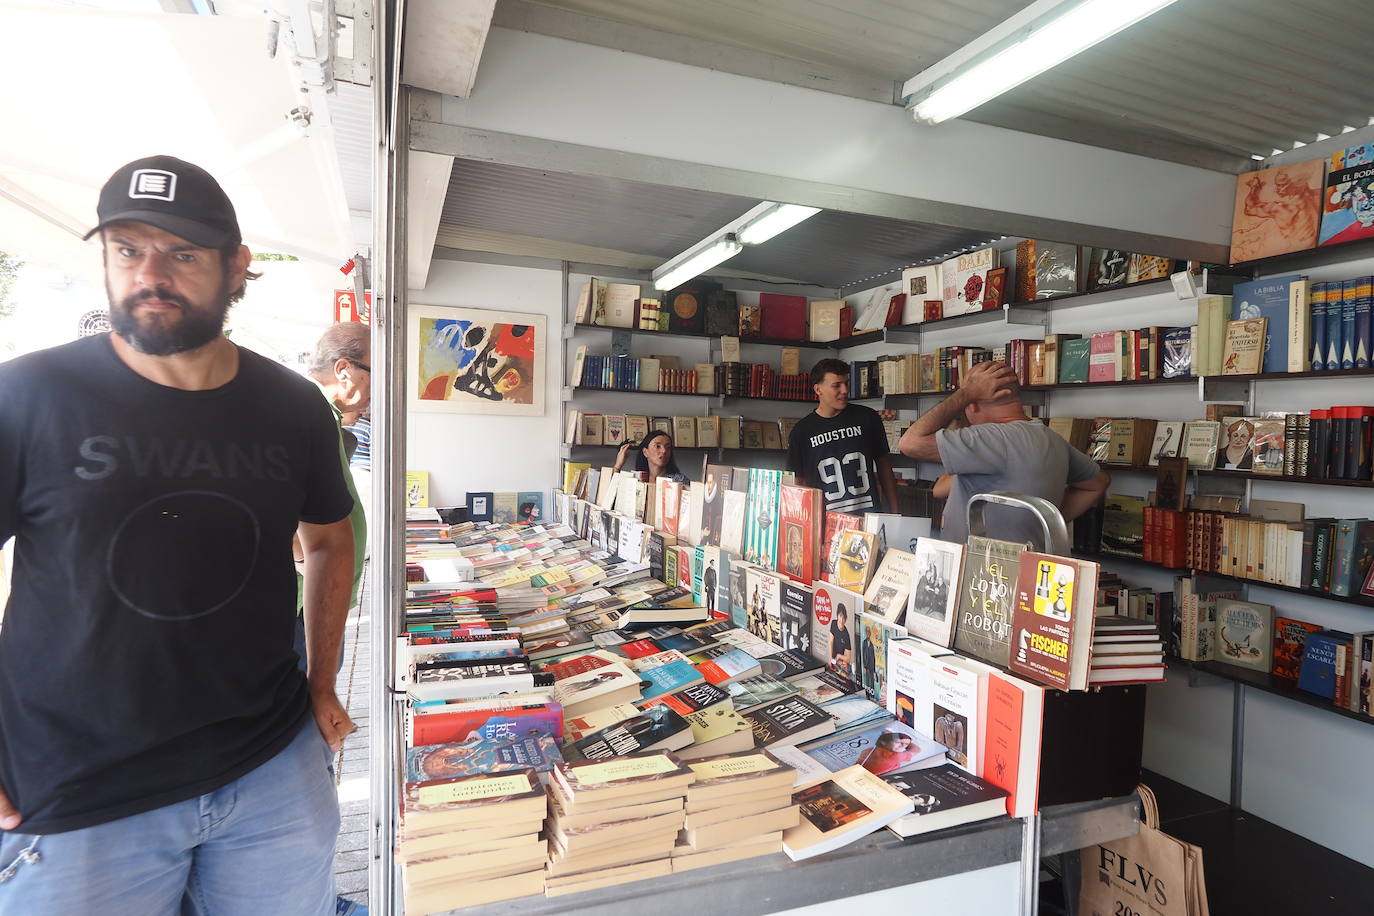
(1268, 299)
(1167, 442)
(1290, 638)
(1244, 631)
(932, 611)
(1074, 356)
(1200, 441)
(1244, 350)
(987, 599)
(965, 277)
(1053, 623)
(1104, 362)
(1348, 203)
(1178, 353)
(799, 543)
(1277, 210)
(1318, 673)
(1107, 268)
(890, 747)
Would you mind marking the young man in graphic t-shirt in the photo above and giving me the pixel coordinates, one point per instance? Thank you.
(160, 751)
(841, 448)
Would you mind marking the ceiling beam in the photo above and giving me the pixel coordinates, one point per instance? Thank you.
(537, 153)
(444, 42)
(563, 105)
(527, 16)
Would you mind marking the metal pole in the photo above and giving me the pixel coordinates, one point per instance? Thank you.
(1030, 866)
(390, 124)
(1237, 743)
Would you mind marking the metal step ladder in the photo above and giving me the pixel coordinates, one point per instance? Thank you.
(1054, 540)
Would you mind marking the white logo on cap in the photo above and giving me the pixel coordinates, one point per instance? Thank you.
(157, 184)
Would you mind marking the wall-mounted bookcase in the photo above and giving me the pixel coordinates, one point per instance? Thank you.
(1241, 475)
(1268, 683)
(683, 335)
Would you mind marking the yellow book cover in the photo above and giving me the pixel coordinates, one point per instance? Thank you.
(417, 489)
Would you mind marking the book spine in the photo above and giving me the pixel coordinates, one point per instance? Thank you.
(1364, 302)
(1318, 328)
(1321, 551)
(1319, 445)
(1349, 292)
(1335, 298)
(1290, 439)
(1343, 558)
(1299, 326)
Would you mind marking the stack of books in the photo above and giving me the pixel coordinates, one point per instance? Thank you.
(614, 821)
(1125, 651)
(470, 840)
(737, 807)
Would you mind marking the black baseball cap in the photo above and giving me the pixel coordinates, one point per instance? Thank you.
(172, 195)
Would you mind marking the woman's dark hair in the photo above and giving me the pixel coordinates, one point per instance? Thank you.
(642, 460)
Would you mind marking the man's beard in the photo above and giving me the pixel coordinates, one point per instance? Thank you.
(195, 328)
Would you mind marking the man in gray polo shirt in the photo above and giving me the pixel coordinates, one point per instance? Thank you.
(1001, 449)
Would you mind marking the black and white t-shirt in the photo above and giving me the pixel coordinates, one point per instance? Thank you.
(838, 456)
(146, 655)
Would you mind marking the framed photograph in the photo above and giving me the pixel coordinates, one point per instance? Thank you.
(995, 289)
(476, 361)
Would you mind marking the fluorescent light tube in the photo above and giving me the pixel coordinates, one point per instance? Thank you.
(1027, 53)
(671, 276)
(779, 219)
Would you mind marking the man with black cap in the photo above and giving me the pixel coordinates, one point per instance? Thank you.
(159, 748)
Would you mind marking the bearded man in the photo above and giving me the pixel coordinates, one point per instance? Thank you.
(160, 751)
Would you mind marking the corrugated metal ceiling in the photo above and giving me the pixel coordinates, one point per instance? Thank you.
(651, 220)
(350, 112)
(1231, 77)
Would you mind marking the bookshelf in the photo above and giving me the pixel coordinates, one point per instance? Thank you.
(1360, 600)
(686, 335)
(1275, 686)
(1243, 475)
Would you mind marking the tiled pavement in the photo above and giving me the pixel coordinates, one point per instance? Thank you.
(351, 769)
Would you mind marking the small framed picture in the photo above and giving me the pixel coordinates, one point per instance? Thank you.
(933, 310)
(995, 291)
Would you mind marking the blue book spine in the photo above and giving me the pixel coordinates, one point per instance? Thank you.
(1318, 362)
(1348, 291)
(1335, 297)
(1364, 322)
(1318, 672)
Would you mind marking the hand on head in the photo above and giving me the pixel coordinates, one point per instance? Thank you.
(989, 381)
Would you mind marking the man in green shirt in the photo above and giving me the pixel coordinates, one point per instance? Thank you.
(342, 368)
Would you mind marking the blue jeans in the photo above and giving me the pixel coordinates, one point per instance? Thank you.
(264, 844)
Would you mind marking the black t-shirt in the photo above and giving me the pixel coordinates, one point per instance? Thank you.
(838, 456)
(146, 653)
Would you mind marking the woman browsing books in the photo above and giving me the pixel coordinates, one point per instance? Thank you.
(655, 457)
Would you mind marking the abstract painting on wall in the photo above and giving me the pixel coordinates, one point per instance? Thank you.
(476, 361)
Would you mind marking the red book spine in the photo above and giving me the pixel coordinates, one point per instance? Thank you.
(1147, 552)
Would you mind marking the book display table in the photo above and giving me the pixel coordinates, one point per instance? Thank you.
(961, 870)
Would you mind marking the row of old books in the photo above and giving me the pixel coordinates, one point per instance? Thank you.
(688, 432)
(1219, 626)
(1321, 444)
(703, 307)
(1273, 544)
